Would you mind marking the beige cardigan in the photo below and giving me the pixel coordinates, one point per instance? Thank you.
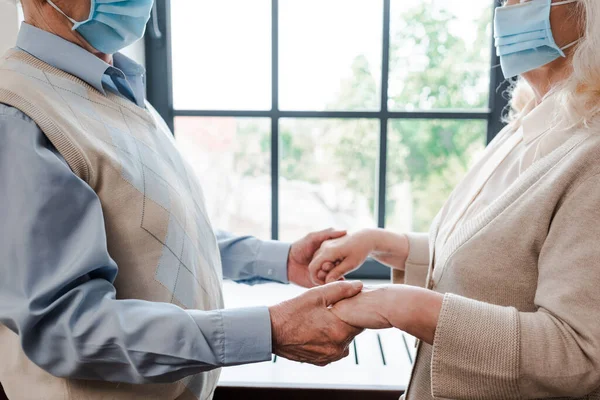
(521, 314)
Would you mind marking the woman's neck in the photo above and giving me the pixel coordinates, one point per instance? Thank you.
(543, 80)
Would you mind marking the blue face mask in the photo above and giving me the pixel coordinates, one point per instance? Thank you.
(112, 24)
(524, 39)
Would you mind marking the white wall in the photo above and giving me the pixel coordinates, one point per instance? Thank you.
(8, 26)
(136, 52)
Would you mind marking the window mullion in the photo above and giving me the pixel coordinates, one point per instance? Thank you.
(385, 67)
(497, 102)
(275, 119)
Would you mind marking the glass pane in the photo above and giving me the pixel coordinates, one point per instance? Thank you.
(426, 160)
(328, 171)
(232, 158)
(330, 54)
(221, 54)
(440, 54)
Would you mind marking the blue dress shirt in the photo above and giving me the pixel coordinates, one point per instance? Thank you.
(56, 267)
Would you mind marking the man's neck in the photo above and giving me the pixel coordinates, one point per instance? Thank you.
(48, 19)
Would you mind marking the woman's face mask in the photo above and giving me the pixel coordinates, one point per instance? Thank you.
(112, 24)
(524, 39)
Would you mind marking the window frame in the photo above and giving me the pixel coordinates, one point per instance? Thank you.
(160, 95)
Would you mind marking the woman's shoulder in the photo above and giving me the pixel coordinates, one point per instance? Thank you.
(582, 161)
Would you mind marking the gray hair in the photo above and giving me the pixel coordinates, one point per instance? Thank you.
(579, 94)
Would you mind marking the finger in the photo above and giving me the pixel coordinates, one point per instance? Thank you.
(328, 266)
(315, 265)
(314, 268)
(338, 291)
(339, 271)
(321, 276)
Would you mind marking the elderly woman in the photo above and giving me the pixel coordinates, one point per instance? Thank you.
(510, 272)
(111, 274)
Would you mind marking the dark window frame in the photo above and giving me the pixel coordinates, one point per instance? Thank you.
(160, 95)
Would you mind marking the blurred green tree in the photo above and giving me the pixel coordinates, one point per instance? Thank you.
(431, 67)
(440, 70)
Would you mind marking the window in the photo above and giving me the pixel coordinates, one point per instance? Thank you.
(304, 114)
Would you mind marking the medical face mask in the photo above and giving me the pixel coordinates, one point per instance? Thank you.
(524, 39)
(112, 24)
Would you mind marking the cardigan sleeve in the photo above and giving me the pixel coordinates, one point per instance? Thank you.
(417, 263)
(486, 351)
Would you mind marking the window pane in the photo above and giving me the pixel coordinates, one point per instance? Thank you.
(426, 160)
(330, 54)
(328, 172)
(221, 54)
(232, 157)
(440, 54)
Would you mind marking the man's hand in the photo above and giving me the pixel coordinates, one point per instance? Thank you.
(305, 329)
(302, 252)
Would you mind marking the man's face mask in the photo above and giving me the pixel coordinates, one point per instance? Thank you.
(112, 24)
(524, 39)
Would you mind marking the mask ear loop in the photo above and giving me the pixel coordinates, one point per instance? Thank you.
(570, 45)
(62, 12)
(560, 3)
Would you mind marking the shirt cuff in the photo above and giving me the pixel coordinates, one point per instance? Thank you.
(247, 333)
(271, 261)
(238, 335)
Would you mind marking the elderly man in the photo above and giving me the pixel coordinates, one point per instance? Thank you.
(111, 277)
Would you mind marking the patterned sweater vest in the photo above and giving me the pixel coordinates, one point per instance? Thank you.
(156, 223)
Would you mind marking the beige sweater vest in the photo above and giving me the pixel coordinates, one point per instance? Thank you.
(521, 313)
(157, 227)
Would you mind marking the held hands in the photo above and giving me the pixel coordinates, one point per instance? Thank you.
(339, 257)
(366, 310)
(305, 329)
(302, 252)
(410, 309)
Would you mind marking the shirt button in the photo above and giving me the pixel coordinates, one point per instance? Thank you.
(270, 272)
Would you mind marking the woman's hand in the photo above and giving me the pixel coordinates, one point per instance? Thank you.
(338, 257)
(413, 310)
(366, 310)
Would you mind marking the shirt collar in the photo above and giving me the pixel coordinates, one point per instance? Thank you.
(69, 57)
(539, 120)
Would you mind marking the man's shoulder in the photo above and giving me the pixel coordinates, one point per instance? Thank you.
(11, 113)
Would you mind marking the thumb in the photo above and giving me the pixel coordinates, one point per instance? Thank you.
(328, 234)
(339, 291)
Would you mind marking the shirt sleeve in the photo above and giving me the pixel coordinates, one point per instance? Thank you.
(250, 260)
(56, 283)
(483, 350)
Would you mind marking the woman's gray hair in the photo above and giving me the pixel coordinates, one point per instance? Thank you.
(579, 94)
